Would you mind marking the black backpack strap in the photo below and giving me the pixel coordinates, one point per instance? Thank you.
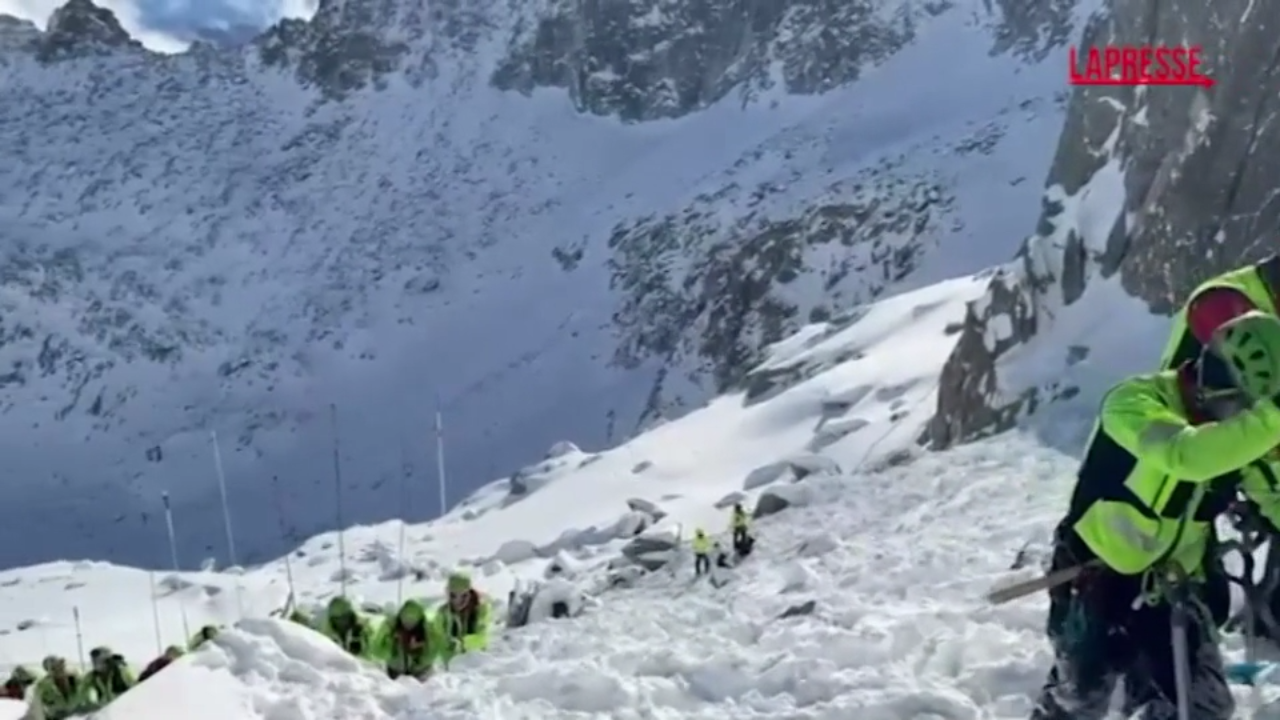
(1269, 273)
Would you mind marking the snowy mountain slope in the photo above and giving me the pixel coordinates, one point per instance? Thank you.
(203, 242)
(879, 564)
(851, 377)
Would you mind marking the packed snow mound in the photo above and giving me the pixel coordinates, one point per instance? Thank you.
(268, 670)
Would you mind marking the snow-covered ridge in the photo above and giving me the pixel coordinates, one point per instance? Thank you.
(203, 242)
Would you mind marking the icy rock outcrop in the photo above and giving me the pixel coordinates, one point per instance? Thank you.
(653, 550)
(650, 59)
(1193, 168)
(552, 599)
(792, 469)
(81, 29)
(714, 289)
(631, 523)
(777, 499)
(647, 507)
(515, 551)
(730, 500)
(346, 45)
(561, 449)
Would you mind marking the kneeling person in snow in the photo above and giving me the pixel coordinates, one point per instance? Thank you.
(346, 628)
(408, 642)
(722, 557)
(15, 688)
(202, 636)
(463, 620)
(171, 653)
(110, 676)
(61, 693)
(1169, 453)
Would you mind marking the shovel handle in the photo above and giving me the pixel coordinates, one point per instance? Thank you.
(1002, 595)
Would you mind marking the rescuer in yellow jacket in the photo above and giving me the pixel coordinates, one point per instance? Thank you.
(1216, 301)
(701, 552)
(1209, 306)
(1169, 454)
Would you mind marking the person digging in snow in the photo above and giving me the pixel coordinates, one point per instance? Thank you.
(202, 636)
(1169, 453)
(171, 653)
(346, 628)
(15, 688)
(109, 677)
(61, 693)
(463, 621)
(409, 642)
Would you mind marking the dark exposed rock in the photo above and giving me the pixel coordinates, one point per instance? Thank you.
(694, 287)
(770, 503)
(79, 29)
(653, 59)
(805, 608)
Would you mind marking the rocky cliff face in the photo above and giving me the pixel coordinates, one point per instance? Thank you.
(705, 290)
(388, 196)
(657, 58)
(1159, 188)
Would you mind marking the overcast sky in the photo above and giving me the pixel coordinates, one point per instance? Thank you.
(168, 25)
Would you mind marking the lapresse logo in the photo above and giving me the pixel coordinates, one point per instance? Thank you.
(1146, 65)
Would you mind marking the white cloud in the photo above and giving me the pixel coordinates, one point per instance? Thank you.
(166, 26)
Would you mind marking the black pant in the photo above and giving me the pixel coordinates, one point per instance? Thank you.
(701, 563)
(739, 537)
(1118, 642)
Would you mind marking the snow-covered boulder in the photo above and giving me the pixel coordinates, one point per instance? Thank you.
(648, 508)
(625, 576)
(777, 499)
(791, 469)
(652, 550)
(661, 541)
(806, 464)
(807, 607)
(516, 551)
(767, 475)
(561, 449)
(557, 598)
(730, 500)
(561, 566)
(631, 524)
(553, 599)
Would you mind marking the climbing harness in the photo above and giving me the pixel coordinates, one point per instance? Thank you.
(1255, 617)
(1254, 534)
